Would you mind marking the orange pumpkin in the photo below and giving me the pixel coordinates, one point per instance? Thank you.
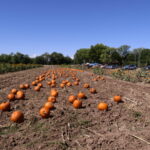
(49, 105)
(11, 96)
(81, 95)
(40, 85)
(86, 85)
(62, 85)
(26, 86)
(72, 98)
(54, 92)
(5, 106)
(22, 86)
(93, 90)
(53, 81)
(117, 98)
(51, 99)
(53, 85)
(102, 106)
(33, 83)
(76, 83)
(19, 95)
(44, 112)
(17, 116)
(37, 88)
(14, 91)
(77, 103)
(69, 84)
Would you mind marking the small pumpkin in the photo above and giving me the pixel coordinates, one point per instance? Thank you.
(76, 83)
(11, 96)
(14, 91)
(86, 85)
(17, 116)
(5, 106)
(19, 95)
(51, 99)
(44, 112)
(53, 85)
(54, 92)
(81, 95)
(77, 103)
(22, 86)
(92, 90)
(62, 85)
(40, 85)
(72, 98)
(117, 98)
(69, 84)
(49, 105)
(33, 83)
(102, 106)
(37, 88)
(26, 85)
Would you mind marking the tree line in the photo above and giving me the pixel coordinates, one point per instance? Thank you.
(44, 59)
(99, 53)
(122, 55)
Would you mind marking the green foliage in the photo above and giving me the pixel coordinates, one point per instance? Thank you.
(5, 67)
(107, 55)
(81, 56)
(99, 71)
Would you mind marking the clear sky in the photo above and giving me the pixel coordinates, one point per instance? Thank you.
(37, 26)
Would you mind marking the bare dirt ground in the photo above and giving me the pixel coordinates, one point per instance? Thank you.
(124, 126)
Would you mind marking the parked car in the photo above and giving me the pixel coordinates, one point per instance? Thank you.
(147, 67)
(93, 64)
(129, 67)
(111, 66)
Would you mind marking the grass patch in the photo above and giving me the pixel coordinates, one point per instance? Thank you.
(8, 130)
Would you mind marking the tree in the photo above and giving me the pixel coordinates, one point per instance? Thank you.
(81, 56)
(96, 51)
(123, 52)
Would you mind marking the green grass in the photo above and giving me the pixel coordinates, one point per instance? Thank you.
(5, 67)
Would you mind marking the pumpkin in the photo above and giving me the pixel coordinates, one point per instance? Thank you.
(40, 85)
(17, 116)
(77, 79)
(33, 83)
(71, 98)
(76, 83)
(49, 82)
(53, 81)
(37, 88)
(22, 86)
(11, 96)
(49, 105)
(26, 86)
(102, 106)
(44, 112)
(93, 90)
(14, 91)
(117, 98)
(54, 92)
(69, 84)
(19, 95)
(77, 103)
(62, 85)
(86, 85)
(5, 106)
(51, 99)
(81, 95)
(53, 85)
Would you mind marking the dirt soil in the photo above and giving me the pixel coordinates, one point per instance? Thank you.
(124, 126)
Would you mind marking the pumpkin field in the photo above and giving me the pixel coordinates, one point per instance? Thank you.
(55, 108)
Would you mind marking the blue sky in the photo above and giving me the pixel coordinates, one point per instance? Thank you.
(37, 26)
